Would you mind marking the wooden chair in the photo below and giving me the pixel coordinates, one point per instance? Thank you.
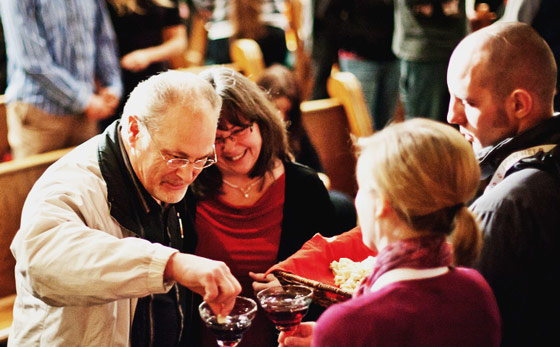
(333, 123)
(327, 125)
(345, 87)
(16, 179)
(4, 146)
(247, 56)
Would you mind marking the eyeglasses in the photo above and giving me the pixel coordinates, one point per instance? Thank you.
(174, 162)
(235, 135)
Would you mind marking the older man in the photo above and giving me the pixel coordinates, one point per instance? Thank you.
(502, 81)
(107, 224)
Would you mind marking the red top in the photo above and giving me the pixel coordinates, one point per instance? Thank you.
(246, 238)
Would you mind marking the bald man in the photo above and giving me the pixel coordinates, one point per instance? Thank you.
(502, 82)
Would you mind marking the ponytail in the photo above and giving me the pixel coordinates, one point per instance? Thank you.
(466, 238)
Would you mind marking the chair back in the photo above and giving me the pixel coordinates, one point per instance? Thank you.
(247, 56)
(326, 123)
(345, 87)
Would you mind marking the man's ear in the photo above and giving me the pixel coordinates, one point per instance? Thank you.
(132, 130)
(520, 103)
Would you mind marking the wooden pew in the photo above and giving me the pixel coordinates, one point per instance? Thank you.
(16, 179)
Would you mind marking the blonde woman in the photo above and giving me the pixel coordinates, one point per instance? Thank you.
(414, 181)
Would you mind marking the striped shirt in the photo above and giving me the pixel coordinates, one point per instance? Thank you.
(56, 50)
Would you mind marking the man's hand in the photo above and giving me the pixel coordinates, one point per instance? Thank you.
(209, 278)
(300, 338)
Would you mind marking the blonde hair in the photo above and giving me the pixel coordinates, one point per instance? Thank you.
(427, 171)
(131, 6)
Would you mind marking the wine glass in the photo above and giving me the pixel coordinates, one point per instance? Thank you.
(286, 305)
(229, 330)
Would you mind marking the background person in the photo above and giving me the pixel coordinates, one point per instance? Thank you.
(149, 33)
(261, 20)
(63, 72)
(502, 80)
(414, 180)
(282, 88)
(256, 206)
(107, 224)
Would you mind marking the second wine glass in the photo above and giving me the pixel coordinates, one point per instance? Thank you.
(286, 305)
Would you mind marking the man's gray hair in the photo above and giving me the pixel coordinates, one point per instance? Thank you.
(151, 98)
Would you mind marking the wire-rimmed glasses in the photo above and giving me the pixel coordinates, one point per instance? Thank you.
(174, 162)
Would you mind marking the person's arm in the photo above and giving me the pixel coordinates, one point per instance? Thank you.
(209, 278)
(175, 43)
(29, 48)
(521, 11)
(70, 252)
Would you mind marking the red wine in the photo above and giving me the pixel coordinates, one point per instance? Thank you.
(286, 318)
(228, 334)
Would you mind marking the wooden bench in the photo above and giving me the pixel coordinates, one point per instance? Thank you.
(16, 179)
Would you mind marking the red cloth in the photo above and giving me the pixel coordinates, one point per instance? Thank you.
(312, 261)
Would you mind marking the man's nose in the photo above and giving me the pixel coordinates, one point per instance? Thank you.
(456, 111)
(188, 173)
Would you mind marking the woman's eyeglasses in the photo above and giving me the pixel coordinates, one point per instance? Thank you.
(235, 135)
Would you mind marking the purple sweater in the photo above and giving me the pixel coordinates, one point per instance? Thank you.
(454, 309)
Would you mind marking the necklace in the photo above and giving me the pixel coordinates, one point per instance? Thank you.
(244, 191)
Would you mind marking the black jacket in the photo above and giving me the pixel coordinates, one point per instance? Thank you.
(521, 224)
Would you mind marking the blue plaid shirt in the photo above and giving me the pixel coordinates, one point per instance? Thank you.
(57, 50)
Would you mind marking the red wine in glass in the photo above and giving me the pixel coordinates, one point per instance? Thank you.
(286, 305)
(228, 334)
(229, 330)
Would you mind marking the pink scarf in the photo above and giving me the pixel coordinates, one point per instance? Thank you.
(417, 253)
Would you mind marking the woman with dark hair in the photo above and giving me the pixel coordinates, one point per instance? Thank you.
(256, 206)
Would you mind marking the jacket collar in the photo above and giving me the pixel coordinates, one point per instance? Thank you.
(128, 200)
(547, 132)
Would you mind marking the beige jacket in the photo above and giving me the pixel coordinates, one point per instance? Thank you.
(77, 274)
